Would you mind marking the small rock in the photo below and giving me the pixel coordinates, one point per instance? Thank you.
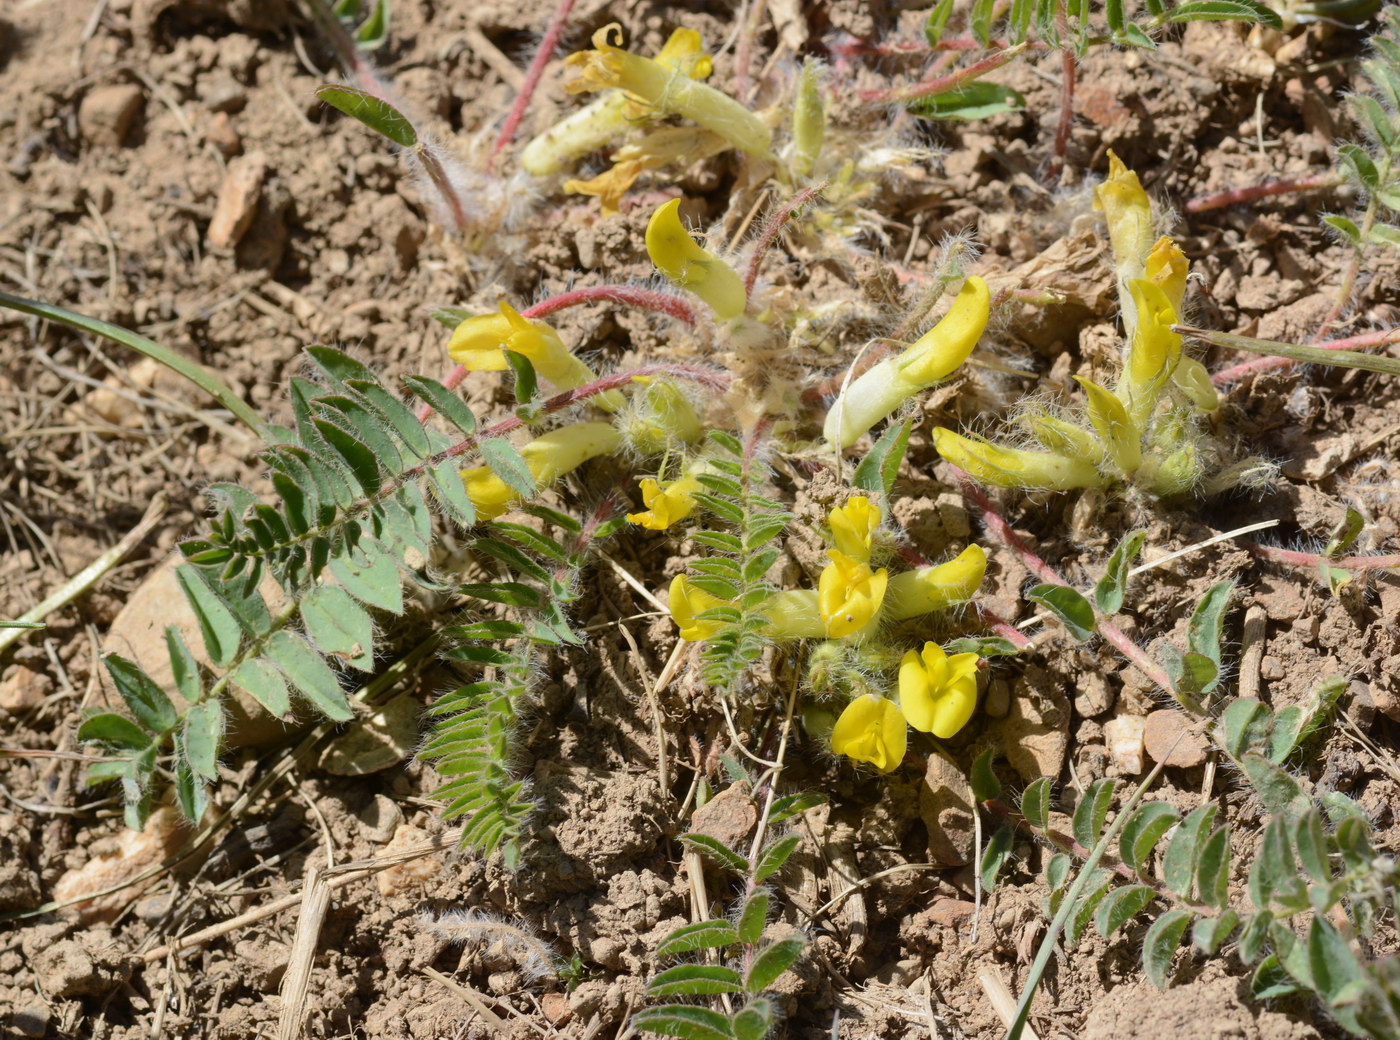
(262, 962)
(998, 701)
(23, 689)
(946, 805)
(728, 817)
(556, 1008)
(238, 200)
(220, 133)
(950, 913)
(1124, 738)
(1092, 696)
(154, 908)
(32, 1020)
(953, 512)
(416, 872)
(107, 114)
(131, 854)
(1035, 732)
(1168, 738)
(223, 93)
(380, 819)
(374, 742)
(265, 240)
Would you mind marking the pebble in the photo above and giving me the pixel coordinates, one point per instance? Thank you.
(23, 689)
(1160, 736)
(221, 134)
(1124, 738)
(728, 817)
(108, 114)
(380, 819)
(238, 200)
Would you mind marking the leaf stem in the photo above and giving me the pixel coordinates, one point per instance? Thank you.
(943, 84)
(1329, 354)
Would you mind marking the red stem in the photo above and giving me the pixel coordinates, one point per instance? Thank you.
(849, 47)
(775, 224)
(647, 299)
(532, 79)
(1266, 364)
(1302, 559)
(743, 53)
(998, 526)
(941, 84)
(1221, 199)
(1066, 123)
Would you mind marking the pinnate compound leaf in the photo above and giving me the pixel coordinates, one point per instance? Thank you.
(689, 980)
(450, 492)
(339, 626)
(1143, 830)
(201, 734)
(264, 683)
(717, 851)
(309, 675)
(1113, 586)
(114, 730)
(1120, 906)
(754, 917)
(775, 857)
(1160, 943)
(685, 1021)
(772, 961)
(1184, 849)
(141, 695)
(754, 1020)
(1035, 803)
(1069, 605)
(701, 935)
(371, 110)
(220, 629)
(1092, 811)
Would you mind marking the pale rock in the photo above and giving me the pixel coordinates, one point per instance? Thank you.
(728, 817)
(130, 854)
(1035, 732)
(1169, 738)
(107, 114)
(23, 689)
(238, 200)
(1124, 738)
(947, 806)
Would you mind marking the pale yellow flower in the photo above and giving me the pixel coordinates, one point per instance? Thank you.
(853, 527)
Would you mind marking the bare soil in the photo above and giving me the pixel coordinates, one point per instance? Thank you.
(121, 120)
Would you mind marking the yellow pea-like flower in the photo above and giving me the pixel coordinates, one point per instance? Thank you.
(666, 505)
(479, 344)
(1153, 351)
(1063, 437)
(1193, 379)
(853, 527)
(687, 602)
(927, 589)
(1129, 215)
(849, 594)
(1117, 431)
(871, 729)
(1166, 267)
(689, 265)
(937, 693)
(933, 356)
(648, 82)
(548, 458)
(612, 115)
(1015, 467)
(794, 614)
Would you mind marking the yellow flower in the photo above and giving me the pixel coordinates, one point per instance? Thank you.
(794, 614)
(668, 505)
(611, 115)
(849, 594)
(937, 693)
(853, 527)
(871, 729)
(1014, 467)
(479, 344)
(1129, 215)
(686, 603)
(686, 263)
(651, 83)
(1063, 437)
(548, 458)
(1153, 351)
(678, 146)
(927, 589)
(934, 356)
(1116, 430)
(1166, 268)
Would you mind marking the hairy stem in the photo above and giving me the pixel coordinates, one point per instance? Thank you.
(1235, 373)
(1254, 192)
(775, 224)
(943, 84)
(532, 79)
(1303, 559)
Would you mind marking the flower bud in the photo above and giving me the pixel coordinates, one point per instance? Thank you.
(927, 589)
(1014, 467)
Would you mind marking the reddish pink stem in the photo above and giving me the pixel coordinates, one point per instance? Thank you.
(1002, 627)
(1066, 122)
(532, 79)
(1302, 559)
(942, 84)
(775, 225)
(1221, 199)
(1265, 364)
(997, 524)
(850, 47)
(647, 299)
